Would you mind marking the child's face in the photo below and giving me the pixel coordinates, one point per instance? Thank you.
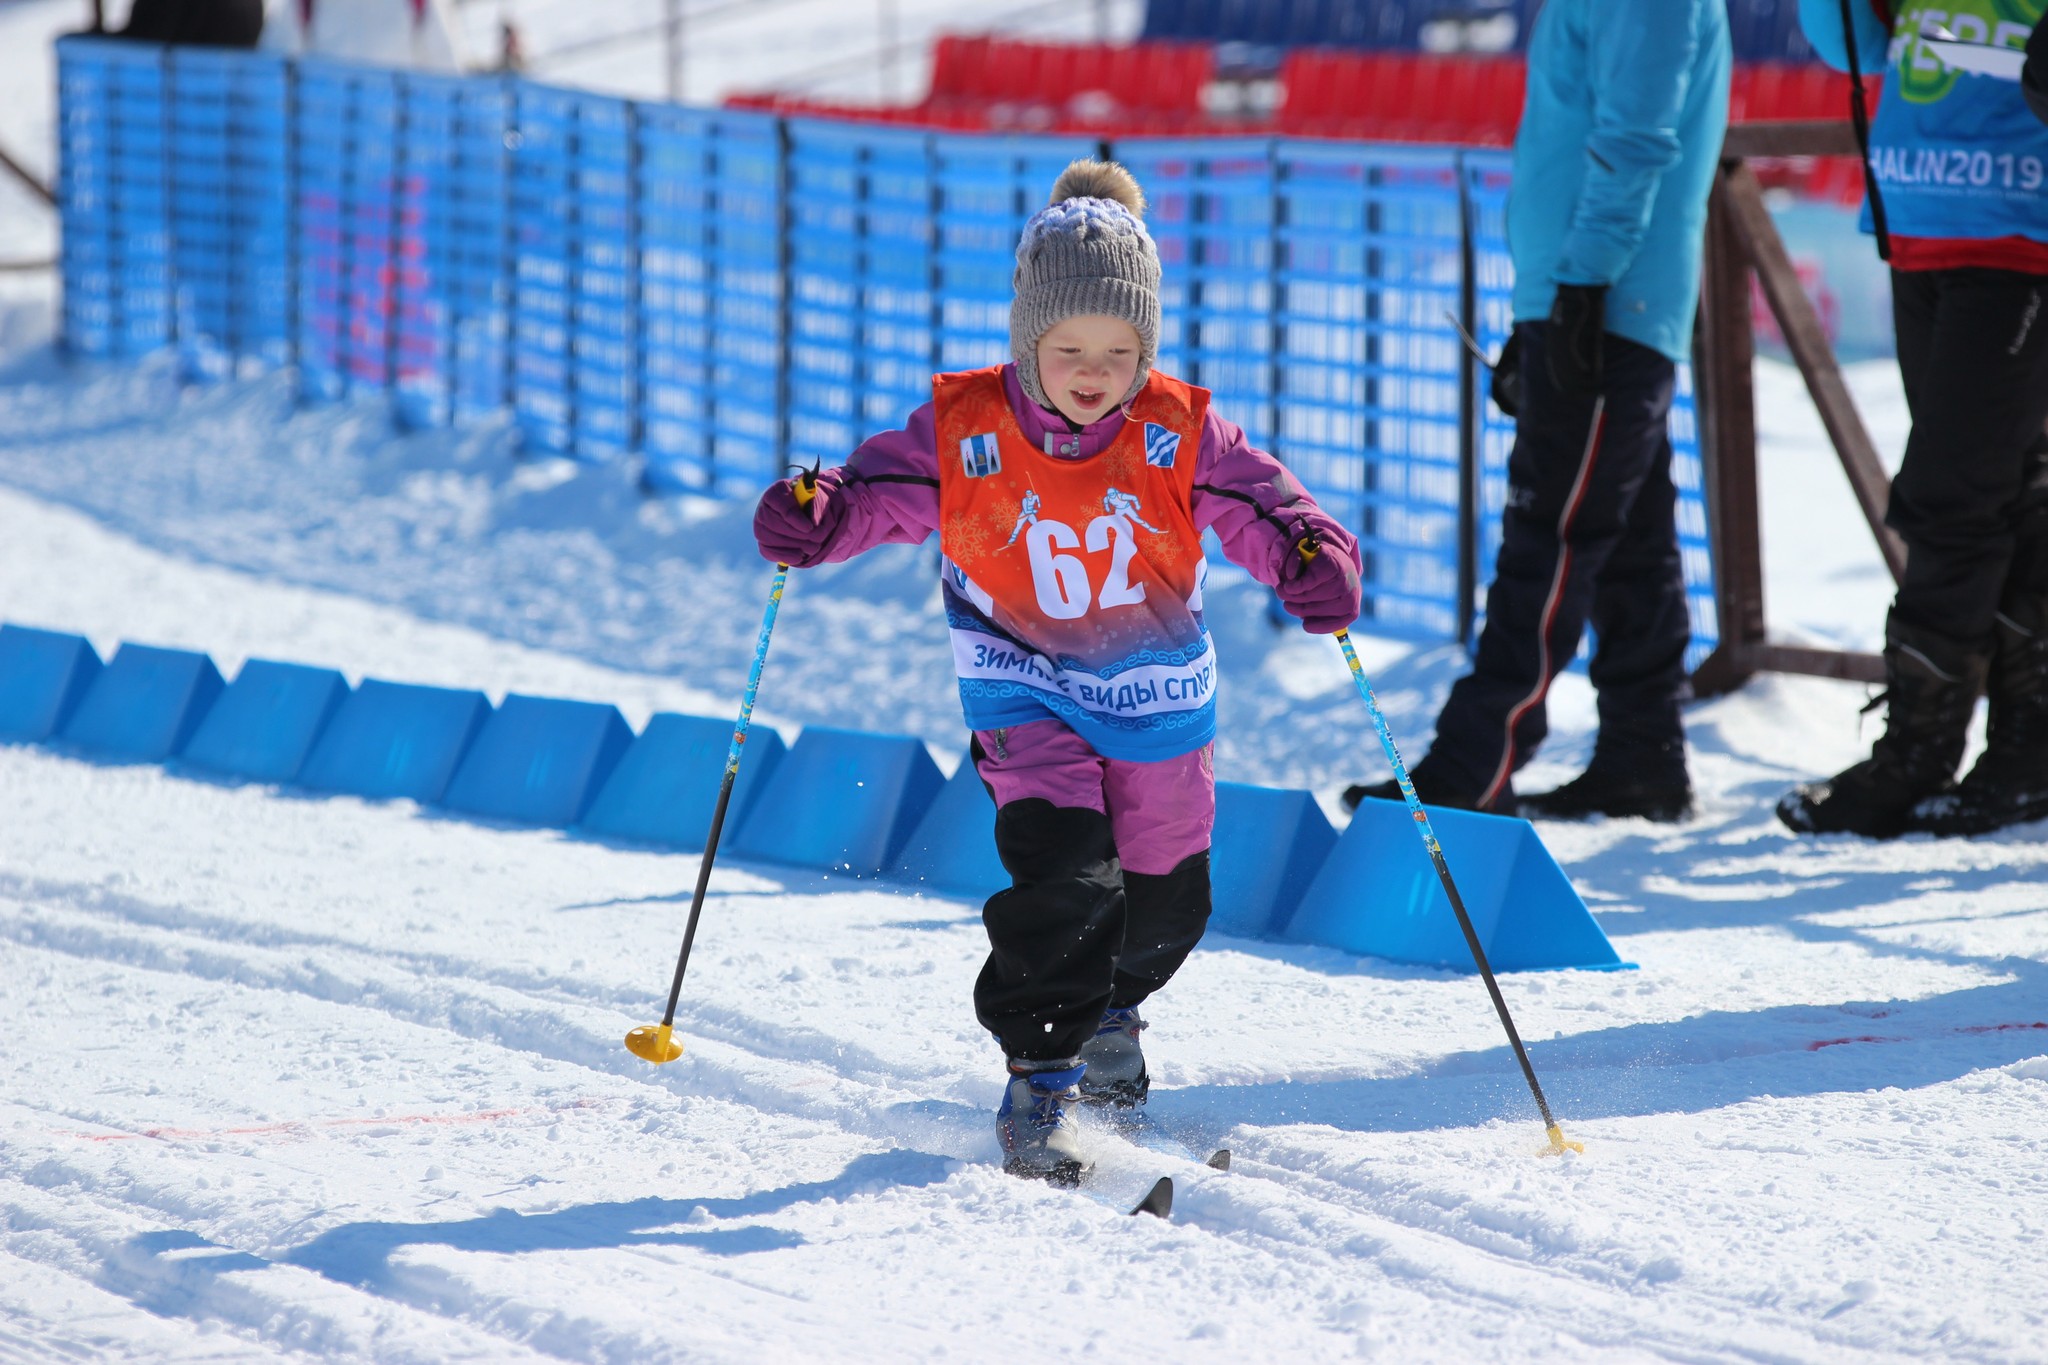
(1086, 365)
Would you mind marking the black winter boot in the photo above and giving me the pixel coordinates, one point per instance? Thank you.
(1432, 788)
(2008, 784)
(1932, 685)
(1624, 779)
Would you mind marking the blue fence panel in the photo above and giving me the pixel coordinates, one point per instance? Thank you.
(987, 187)
(1211, 211)
(455, 284)
(1213, 218)
(1370, 265)
(825, 177)
(203, 256)
(1231, 286)
(863, 339)
(899, 338)
(1488, 176)
(347, 166)
(320, 156)
(576, 272)
(230, 207)
(576, 266)
(677, 231)
(112, 196)
(544, 237)
(605, 336)
(748, 307)
(725, 291)
(1167, 169)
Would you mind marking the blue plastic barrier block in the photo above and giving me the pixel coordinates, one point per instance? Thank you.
(267, 721)
(953, 849)
(1378, 894)
(145, 704)
(1269, 845)
(395, 739)
(540, 759)
(841, 799)
(666, 787)
(43, 677)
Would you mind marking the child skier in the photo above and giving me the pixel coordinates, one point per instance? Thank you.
(1086, 670)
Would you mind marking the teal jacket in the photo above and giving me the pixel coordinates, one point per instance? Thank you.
(1621, 132)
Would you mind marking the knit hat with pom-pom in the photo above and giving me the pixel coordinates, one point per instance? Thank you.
(1086, 252)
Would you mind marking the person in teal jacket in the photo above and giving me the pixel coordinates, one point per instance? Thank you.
(1959, 203)
(1621, 132)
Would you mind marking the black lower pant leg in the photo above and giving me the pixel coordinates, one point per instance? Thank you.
(1571, 488)
(1055, 935)
(1642, 623)
(1168, 913)
(1973, 353)
(2026, 578)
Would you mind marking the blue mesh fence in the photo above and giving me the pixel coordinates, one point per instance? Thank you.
(749, 316)
(899, 337)
(1370, 378)
(1217, 255)
(112, 192)
(455, 243)
(230, 207)
(726, 292)
(677, 230)
(346, 160)
(825, 178)
(987, 187)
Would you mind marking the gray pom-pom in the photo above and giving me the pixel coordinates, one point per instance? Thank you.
(1088, 179)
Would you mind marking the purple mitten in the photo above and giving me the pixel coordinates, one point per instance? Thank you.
(791, 534)
(1323, 591)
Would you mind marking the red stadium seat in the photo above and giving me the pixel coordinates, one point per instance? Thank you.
(959, 63)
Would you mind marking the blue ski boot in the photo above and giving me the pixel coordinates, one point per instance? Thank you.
(1040, 1139)
(1116, 1064)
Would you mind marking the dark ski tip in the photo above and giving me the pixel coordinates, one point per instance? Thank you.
(1219, 1160)
(1066, 1175)
(1159, 1203)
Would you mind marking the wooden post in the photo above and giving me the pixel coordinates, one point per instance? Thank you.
(1725, 378)
(1743, 200)
(1742, 243)
(27, 178)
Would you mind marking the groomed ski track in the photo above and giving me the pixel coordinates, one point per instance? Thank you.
(289, 1077)
(817, 1172)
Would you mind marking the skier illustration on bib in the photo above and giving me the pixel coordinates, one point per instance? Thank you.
(1027, 517)
(1116, 503)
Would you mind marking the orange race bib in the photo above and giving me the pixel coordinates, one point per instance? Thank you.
(1074, 586)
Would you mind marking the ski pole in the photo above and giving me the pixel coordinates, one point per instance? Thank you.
(1443, 872)
(657, 1043)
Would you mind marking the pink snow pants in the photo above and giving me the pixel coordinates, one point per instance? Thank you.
(1159, 813)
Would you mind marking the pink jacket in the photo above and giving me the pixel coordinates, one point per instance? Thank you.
(890, 488)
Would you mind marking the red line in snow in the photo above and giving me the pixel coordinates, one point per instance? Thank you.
(304, 1126)
(1837, 1042)
(1966, 1028)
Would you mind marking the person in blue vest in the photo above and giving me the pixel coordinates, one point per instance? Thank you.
(1621, 132)
(1959, 204)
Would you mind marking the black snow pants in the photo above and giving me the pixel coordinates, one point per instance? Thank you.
(1075, 933)
(1973, 352)
(1589, 535)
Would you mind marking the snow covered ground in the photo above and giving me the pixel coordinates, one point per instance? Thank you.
(298, 1078)
(289, 1078)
